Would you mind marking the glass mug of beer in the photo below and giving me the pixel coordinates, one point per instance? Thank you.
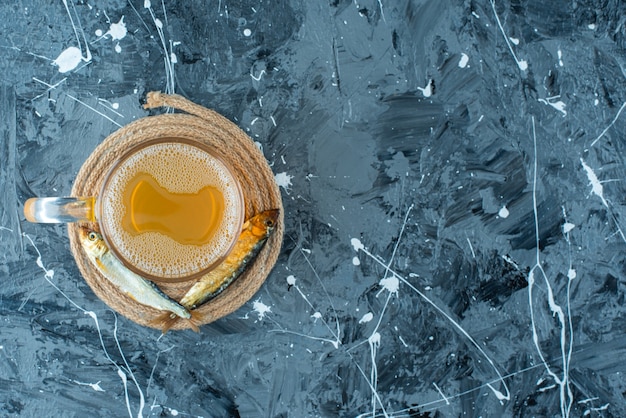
(169, 209)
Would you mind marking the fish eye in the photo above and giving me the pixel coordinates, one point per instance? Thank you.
(92, 236)
(269, 223)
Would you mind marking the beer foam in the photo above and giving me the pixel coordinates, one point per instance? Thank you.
(179, 168)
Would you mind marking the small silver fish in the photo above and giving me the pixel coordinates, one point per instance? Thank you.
(254, 234)
(134, 286)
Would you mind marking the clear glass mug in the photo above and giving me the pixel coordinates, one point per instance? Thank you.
(169, 209)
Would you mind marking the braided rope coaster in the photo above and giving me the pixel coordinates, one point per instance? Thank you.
(235, 148)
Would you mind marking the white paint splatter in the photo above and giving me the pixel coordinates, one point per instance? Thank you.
(257, 78)
(600, 408)
(571, 274)
(567, 227)
(391, 284)
(499, 395)
(592, 26)
(356, 261)
(374, 343)
(503, 212)
(514, 41)
(291, 280)
(247, 32)
(316, 316)
(402, 341)
(283, 180)
(522, 64)
(597, 189)
(445, 398)
(471, 247)
(366, 318)
(374, 339)
(563, 381)
(558, 105)
(110, 106)
(117, 30)
(170, 86)
(261, 309)
(69, 59)
(496, 392)
(596, 186)
(464, 60)
(619, 112)
(428, 90)
(95, 386)
(559, 54)
(356, 244)
(93, 109)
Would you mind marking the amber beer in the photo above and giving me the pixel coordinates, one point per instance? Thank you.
(170, 209)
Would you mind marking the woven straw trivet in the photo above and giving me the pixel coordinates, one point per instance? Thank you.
(235, 148)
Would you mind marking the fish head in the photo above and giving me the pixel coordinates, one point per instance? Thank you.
(264, 223)
(92, 241)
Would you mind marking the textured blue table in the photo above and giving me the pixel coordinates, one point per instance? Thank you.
(453, 179)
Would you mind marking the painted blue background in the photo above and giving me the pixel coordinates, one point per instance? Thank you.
(454, 189)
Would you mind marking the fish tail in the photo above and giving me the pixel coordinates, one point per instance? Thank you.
(196, 320)
(167, 320)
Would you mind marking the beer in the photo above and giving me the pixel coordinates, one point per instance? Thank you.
(171, 209)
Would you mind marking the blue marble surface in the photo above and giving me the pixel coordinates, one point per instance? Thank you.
(453, 180)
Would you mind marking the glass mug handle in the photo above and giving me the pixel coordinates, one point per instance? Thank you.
(54, 210)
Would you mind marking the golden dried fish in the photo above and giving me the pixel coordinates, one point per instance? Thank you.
(134, 286)
(255, 232)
